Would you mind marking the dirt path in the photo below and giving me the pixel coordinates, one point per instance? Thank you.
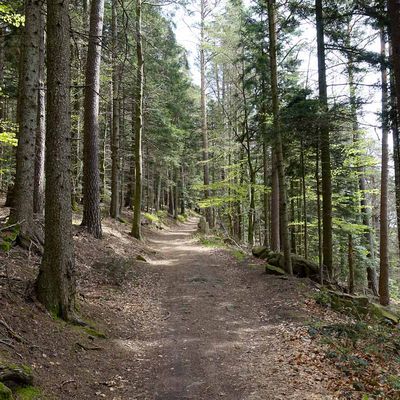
(221, 335)
(193, 323)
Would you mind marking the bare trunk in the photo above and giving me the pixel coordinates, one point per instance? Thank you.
(38, 194)
(137, 203)
(304, 196)
(275, 226)
(55, 285)
(324, 146)
(115, 134)
(384, 296)
(283, 207)
(204, 131)
(350, 258)
(28, 116)
(91, 179)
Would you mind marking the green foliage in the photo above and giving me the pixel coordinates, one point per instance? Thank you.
(211, 241)
(9, 16)
(8, 238)
(182, 217)
(153, 218)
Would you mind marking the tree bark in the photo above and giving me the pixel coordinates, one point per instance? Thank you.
(275, 226)
(115, 134)
(28, 114)
(326, 184)
(283, 206)
(55, 285)
(350, 258)
(38, 187)
(137, 203)
(91, 178)
(384, 296)
(203, 101)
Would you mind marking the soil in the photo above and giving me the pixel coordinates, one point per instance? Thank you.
(192, 322)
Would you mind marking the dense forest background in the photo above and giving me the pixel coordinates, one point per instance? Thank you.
(99, 113)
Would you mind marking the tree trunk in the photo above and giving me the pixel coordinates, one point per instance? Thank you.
(204, 131)
(115, 135)
(275, 226)
(137, 202)
(283, 206)
(38, 194)
(91, 178)
(55, 284)
(384, 296)
(364, 209)
(304, 197)
(326, 184)
(28, 114)
(350, 259)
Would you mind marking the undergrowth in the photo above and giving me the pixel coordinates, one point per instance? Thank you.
(368, 355)
(211, 241)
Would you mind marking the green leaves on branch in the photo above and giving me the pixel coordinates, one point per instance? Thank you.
(10, 17)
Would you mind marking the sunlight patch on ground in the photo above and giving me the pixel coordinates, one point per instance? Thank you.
(136, 346)
(167, 263)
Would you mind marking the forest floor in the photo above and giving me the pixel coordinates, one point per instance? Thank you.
(191, 322)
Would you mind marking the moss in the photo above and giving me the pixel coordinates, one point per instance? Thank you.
(5, 392)
(94, 332)
(238, 254)
(28, 393)
(272, 270)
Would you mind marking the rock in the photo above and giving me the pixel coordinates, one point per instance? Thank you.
(139, 257)
(360, 306)
(381, 313)
(301, 267)
(203, 226)
(260, 252)
(355, 305)
(20, 375)
(273, 270)
(5, 392)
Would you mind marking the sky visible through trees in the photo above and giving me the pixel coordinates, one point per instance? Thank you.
(187, 35)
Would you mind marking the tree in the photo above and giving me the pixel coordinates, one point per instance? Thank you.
(324, 144)
(204, 11)
(38, 186)
(22, 212)
(278, 147)
(91, 179)
(115, 136)
(55, 285)
(137, 203)
(384, 295)
(393, 13)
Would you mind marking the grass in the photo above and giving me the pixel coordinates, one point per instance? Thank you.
(211, 241)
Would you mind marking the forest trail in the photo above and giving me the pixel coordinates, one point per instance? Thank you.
(221, 336)
(193, 322)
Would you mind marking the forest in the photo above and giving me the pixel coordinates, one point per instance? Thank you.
(186, 182)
